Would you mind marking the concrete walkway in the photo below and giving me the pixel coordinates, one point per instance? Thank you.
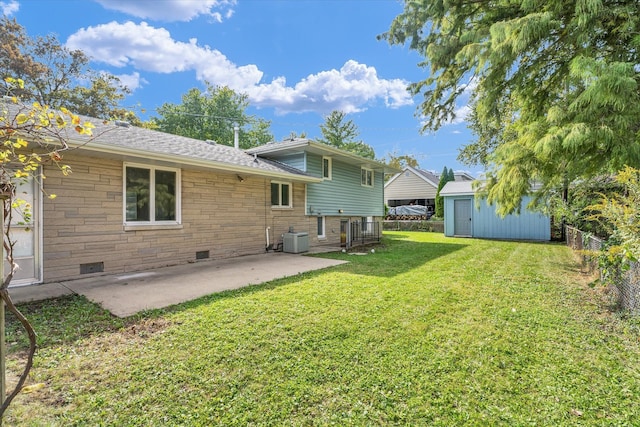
(127, 294)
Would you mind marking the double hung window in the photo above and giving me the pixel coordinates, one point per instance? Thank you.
(152, 195)
(366, 177)
(281, 194)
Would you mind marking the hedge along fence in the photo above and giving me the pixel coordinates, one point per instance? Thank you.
(626, 283)
(426, 225)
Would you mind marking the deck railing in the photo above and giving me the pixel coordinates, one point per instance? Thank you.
(365, 232)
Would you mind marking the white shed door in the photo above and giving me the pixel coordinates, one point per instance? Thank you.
(462, 217)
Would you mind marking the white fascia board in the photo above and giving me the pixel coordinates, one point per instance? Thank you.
(188, 161)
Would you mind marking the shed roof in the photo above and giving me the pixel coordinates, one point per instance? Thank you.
(458, 188)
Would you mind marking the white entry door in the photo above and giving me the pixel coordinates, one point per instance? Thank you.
(26, 234)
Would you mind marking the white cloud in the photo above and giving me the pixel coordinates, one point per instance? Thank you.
(461, 115)
(146, 48)
(349, 89)
(9, 8)
(132, 81)
(172, 10)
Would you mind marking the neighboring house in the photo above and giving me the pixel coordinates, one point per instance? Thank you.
(416, 187)
(140, 199)
(347, 205)
(463, 217)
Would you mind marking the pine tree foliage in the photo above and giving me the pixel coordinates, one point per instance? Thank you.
(451, 175)
(555, 85)
(444, 178)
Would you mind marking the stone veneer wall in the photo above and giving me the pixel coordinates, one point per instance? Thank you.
(84, 223)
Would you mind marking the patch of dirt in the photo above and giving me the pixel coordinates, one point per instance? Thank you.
(147, 327)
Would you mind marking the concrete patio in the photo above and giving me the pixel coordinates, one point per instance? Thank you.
(129, 293)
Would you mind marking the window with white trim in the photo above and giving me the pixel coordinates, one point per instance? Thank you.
(366, 176)
(326, 168)
(281, 194)
(321, 227)
(152, 195)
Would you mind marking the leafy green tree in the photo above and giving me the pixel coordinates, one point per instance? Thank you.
(555, 86)
(51, 74)
(212, 115)
(444, 178)
(576, 207)
(619, 213)
(342, 134)
(400, 161)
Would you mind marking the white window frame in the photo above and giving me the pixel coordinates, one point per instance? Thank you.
(364, 177)
(322, 222)
(152, 201)
(330, 168)
(280, 205)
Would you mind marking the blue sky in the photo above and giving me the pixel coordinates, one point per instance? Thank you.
(296, 59)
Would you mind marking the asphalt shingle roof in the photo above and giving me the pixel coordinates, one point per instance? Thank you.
(146, 143)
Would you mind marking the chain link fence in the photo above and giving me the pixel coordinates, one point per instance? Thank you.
(626, 284)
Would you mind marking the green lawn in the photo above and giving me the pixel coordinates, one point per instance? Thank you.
(427, 331)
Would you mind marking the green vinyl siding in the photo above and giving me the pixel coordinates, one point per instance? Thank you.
(344, 191)
(298, 161)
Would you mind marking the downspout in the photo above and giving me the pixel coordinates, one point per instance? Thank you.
(268, 247)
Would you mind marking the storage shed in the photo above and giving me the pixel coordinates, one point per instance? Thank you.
(462, 218)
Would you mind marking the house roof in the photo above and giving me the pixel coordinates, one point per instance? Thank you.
(134, 143)
(430, 177)
(302, 145)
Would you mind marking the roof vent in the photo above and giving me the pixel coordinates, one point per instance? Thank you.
(122, 123)
(210, 141)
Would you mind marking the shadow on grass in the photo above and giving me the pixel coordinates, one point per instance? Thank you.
(394, 256)
(68, 319)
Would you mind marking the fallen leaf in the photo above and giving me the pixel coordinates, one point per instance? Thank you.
(576, 412)
(33, 387)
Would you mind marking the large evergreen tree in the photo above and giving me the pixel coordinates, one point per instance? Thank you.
(444, 178)
(342, 133)
(555, 85)
(211, 115)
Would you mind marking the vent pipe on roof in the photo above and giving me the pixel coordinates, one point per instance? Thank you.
(236, 136)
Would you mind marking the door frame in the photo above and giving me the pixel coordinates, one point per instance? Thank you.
(36, 228)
